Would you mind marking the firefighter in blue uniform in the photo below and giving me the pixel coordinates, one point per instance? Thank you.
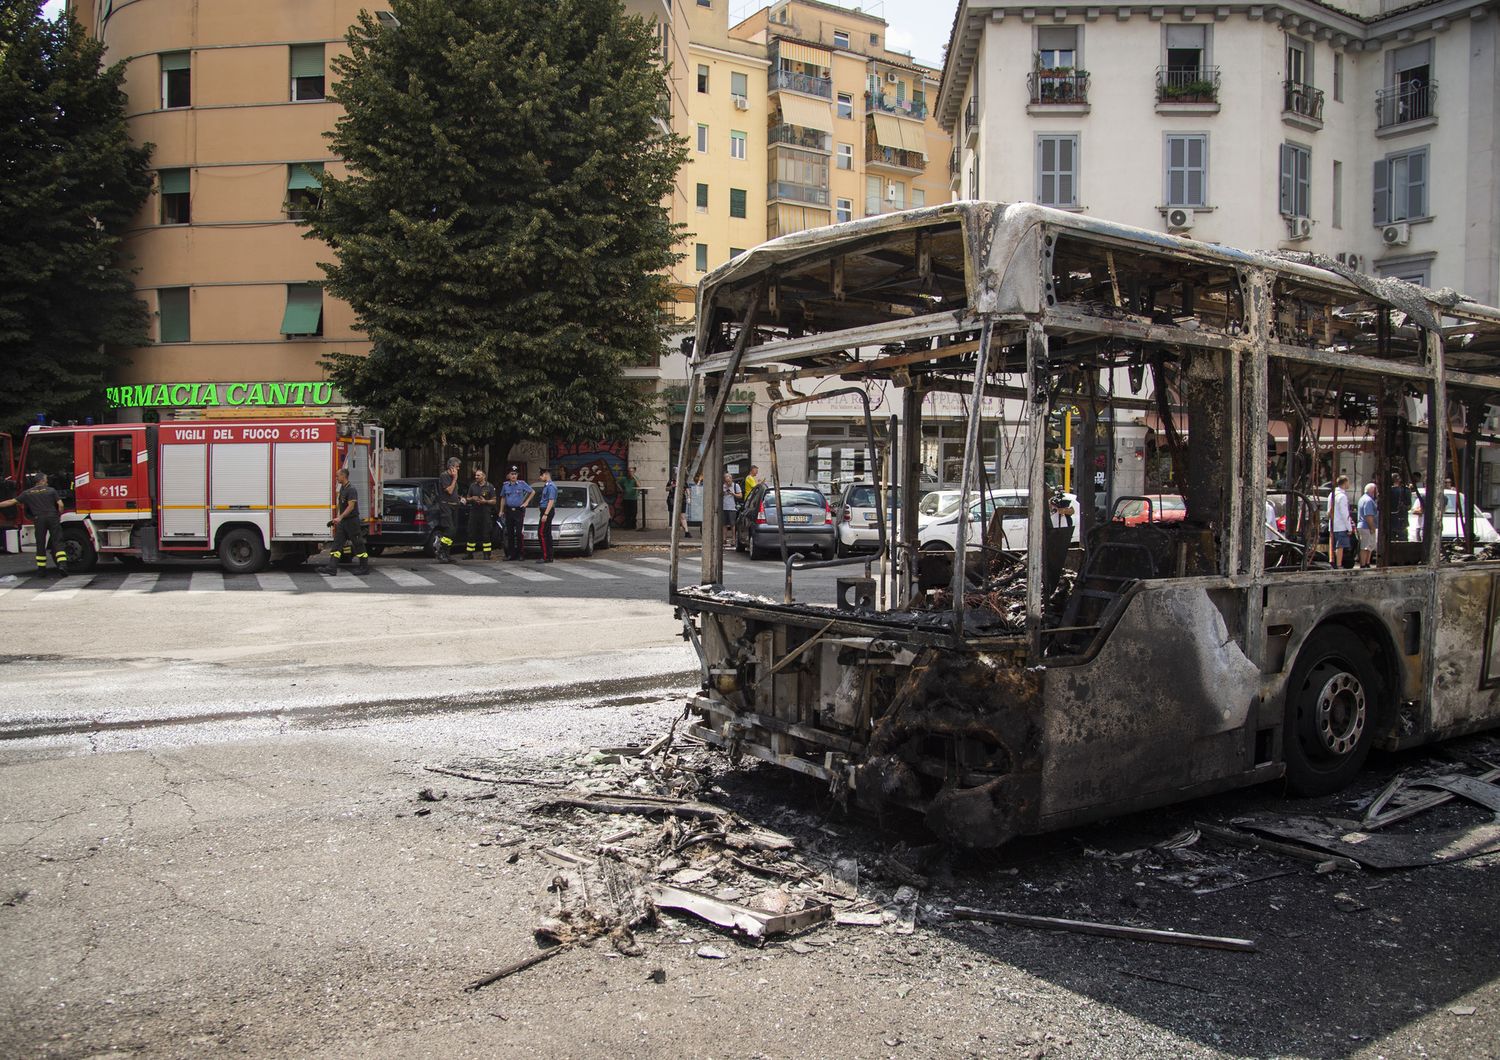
(348, 530)
(44, 507)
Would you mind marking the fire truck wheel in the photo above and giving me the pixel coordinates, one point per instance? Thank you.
(375, 550)
(241, 551)
(1332, 705)
(82, 557)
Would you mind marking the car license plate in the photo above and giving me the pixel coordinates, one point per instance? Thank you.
(393, 518)
(797, 518)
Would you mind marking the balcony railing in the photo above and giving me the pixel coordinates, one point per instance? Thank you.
(876, 154)
(955, 165)
(1409, 102)
(1302, 100)
(1058, 86)
(782, 189)
(800, 82)
(902, 108)
(1193, 84)
(797, 136)
(971, 115)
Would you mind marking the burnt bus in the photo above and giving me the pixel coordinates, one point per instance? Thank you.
(1020, 680)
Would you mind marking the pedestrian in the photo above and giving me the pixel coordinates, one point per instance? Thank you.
(630, 492)
(1369, 524)
(482, 501)
(546, 508)
(1400, 508)
(515, 495)
(1340, 524)
(348, 528)
(43, 505)
(671, 499)
(731, 505)
(751, 478)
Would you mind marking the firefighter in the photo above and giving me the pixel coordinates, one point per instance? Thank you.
(447, 511)
(348, 530)
(44, 507)
(515, 495)
(482, 500)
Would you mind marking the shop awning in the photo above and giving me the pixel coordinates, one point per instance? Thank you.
(888, 132)
(793, 52)
(808, 113)
(304, 310)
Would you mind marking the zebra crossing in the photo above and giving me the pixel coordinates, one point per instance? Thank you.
(583, 576)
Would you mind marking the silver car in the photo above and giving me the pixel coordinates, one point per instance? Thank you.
(580, 519)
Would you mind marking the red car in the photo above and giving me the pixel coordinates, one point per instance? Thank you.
(1163, 508)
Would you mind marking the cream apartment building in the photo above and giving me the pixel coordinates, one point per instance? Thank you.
(1366, 132)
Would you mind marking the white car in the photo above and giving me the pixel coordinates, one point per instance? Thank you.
(941, 534)
(580, 519)
(856, 517)
(1484, 529)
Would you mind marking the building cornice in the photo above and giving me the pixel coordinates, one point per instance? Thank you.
(728, 53)
(1340, 29)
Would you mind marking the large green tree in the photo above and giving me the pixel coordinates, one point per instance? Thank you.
(70, 184)
(501, 234)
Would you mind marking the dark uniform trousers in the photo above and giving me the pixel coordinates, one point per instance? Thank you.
(544, 534)
(49, 540)
(515, 520)
(481, 528)
(349, 539)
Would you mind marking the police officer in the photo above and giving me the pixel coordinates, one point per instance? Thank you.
(44, 507)
(547, 507)
(348, 529)
(448, 511)
(482, 500)
(515, 495)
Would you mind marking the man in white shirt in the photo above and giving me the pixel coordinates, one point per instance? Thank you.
(1340, 522)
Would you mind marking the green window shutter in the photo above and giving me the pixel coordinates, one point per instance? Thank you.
(176, 61)
(172, 309)
(304, 310)
(175, 181)
(700, 257)
(702, 196)
(736, 202)
(303, 176)
(1382, 191)
(307, 60)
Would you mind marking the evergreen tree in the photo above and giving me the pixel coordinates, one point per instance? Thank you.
(501, 234)
(70, 184)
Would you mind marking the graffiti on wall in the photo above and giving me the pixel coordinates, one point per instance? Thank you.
(602, 463)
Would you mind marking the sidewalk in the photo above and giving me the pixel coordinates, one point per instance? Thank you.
(661, 538)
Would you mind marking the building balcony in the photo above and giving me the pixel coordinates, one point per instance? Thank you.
(901, 108)
(1191, 87)
(787, 191)
(792, 80)
(955, 164)
(797, 136)
(879, 157)
(971, 120)
(1302, 105)
(1066, 87)
(1415, 101)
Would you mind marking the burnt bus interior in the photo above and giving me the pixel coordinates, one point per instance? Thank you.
(1126, 331)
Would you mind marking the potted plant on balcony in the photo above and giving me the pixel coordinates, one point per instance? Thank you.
(1197, 91)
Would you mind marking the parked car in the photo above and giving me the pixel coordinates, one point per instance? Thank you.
(941, 533)
(1484, 528)
(856, 515)
(808, 517)
(580, 520)
(1163, 508)
(404, 520)
(936, 504)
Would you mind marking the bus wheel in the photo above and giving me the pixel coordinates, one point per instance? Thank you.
(1331, 703)
(82, 556)
(241, 551)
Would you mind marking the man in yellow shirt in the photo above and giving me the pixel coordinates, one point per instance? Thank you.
(751, 478)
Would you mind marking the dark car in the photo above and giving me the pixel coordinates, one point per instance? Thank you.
(808, 517)
(404, 519)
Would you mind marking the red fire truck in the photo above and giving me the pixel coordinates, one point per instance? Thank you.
(247, 492)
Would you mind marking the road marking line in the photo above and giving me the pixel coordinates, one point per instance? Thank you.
(405, 578)
(138, 583)
(627, 567)
(468, 577)
(345, 580)
(581, 568)
(663, 560)
(276, 582)
(73, 585)
(516, 571)
(206, 581)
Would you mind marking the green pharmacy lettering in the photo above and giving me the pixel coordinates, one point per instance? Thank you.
(310, 394)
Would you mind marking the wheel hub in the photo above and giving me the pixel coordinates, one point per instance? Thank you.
(1341, 713)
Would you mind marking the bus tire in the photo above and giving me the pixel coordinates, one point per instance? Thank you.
(241, 551)
(82, 556)
(1332, 702)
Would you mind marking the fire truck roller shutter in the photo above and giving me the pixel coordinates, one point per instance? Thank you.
(304, 491)
(184, 492)
(358, 463)
(240, 487)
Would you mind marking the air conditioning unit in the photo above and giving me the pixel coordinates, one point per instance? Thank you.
(891, 78)
(741, 103)
(1397, 235)
(1350, 260)
(1179, 219)
(1298, 228)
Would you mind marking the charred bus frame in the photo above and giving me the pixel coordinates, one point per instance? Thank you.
(1010, 687)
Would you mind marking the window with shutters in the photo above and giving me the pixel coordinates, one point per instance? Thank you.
(1057, 170)
(303, 317)
(1187, 169)
(1295, 191)
(1401, 186)
(307, 72)
(304, 191)
(176, 80)
(845, 157)
(737, 142)
(1410, 92)
(174, 320)
(702, 78)
(703, 198)
(703, 139)
(846, 105)
(176, 196)
(739, 86)
(736, 202)
(918, 197)
(700, 257)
